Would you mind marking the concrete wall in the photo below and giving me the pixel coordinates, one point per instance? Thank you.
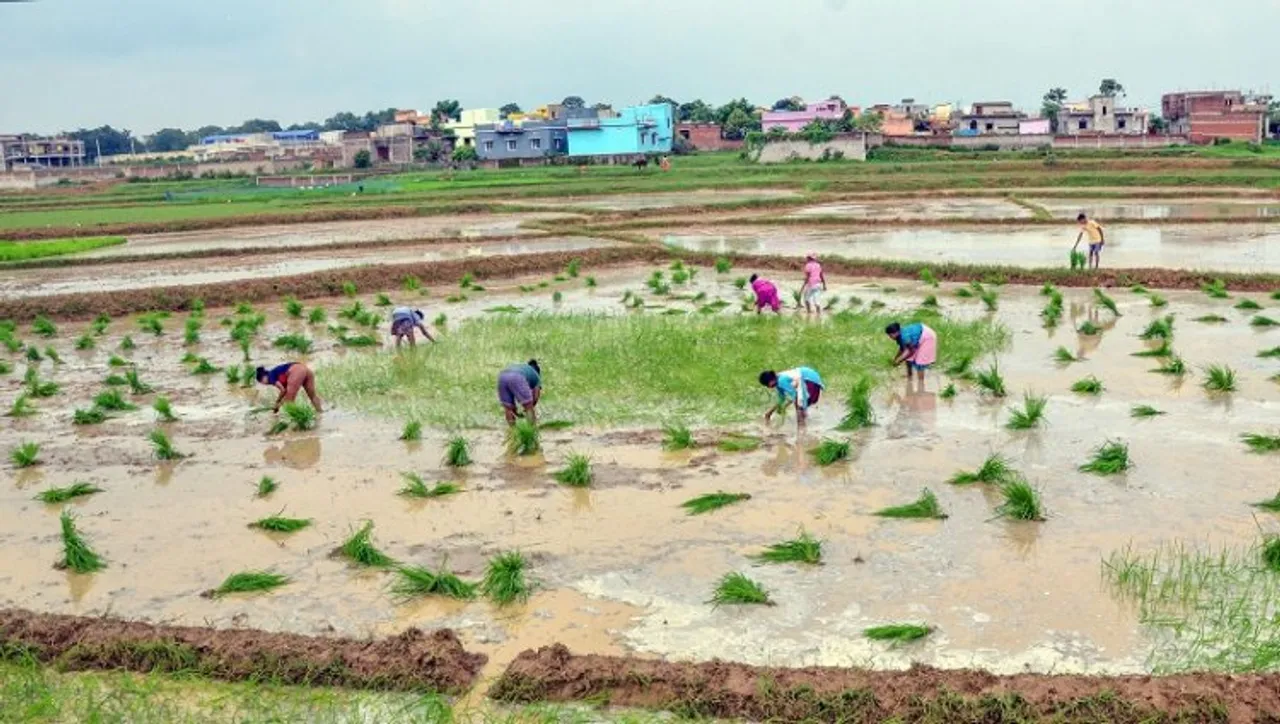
(852, 146)
(1040, 140)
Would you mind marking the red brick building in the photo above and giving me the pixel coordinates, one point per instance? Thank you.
(706, 137)
(1204, 116)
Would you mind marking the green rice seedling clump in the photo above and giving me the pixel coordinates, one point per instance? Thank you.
(1172, 366)
(361, 340)
(25, 455)
(33, 354)
(1159, 329)
(740, 283)
(162, 446)
(738, 443)
(995, 469)
(151, 323)
(1210, 319)
(316, 316)
(100, 324)
(964, 293)
(1105, 301)
(737, 589)
(1144, 411)
(1088, 328)
(1273, 352)
(523, 438)
(91, 416)
(43, 326)
(457, 453)
(85, 342)
(1139, 289)
(115, 381)
(299, 343)
(949, 392)
(804, 549)
(897, 633)
(52, 355)
(678, 437)
(576, 472)
(191, 331)
(1021, 501)
(232, 373)
(1031, 415)
(960, 368)
(1088, 386)
(127, 343)
(117, 361)
(1110, 458)
(266, 486)
(278, 524)
(1216, 289)
(164, 409)
(415, 581)
(926, 507)
(382, 300)
(1259, 443)
(1219, 378)
(859, 412)
(416, 487)
(591, 282)
(712, 501)
(293, 307)
(76, 554)
(136, 385)
(1077, 260)
(723, 265)
(990, 299)
(300, 416)
(927, 276)
(1164, 350)
(830, 452)
(991, 382)
(1248, 305)
(359, 549)
(1064, 355)
(205, 367)
(412, 431)
(1261, 321)
(54, 496)
(1271, 505)
(1157, 301)
(21, 406)
(249, 582)
(37, 387)
(1271, 553)
(504, 579)
(113, 401)
(930, 301)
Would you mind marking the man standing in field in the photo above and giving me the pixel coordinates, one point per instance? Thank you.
(815, 283)
(1097, 239)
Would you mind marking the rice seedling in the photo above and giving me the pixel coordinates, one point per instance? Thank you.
(21, 406)
(1088, 328)
(995, 469)
(804, 549)
(33, 354)
(359, 549)
(293, 307)
(738, 443)
(1210, 319)
(151, 323)
(557, 297)
(591, 282)
(576, 472)
(1271, 505)
(504, 581)
(830, 452)
(415, 581)
(964, 293)
(712, 501)
(136, 385)
(1260, 443)
(678, 437)
(1078, 260)
(1031, 414)
(1216, 289)
(43, 326)
(723, 265)
(349, 289)
(467, 280)
(266, 486)
(164, 409)
(205, 367)
(1109, 458)
(11, 343)
(1021, 501)
(897, 633)
(85, 342)
(382, 300)
(736, 589)
(930, 301)
(457, 454)
(1157, 301)
(191, 331)
(25, 455)
(926, 506)
(53, 496)
(1088, 386)
(1271, 553)
(1174, 365)
(37, 387)
(574, 267)
(298, 343)
(299, 416)
(316, 316)
(1158, 329)
(555, 425)
(162, 447)
(196, 306)
(1064, 355)
(249, 582)
(1261, 321)
(991, 299)
(859, 412)
(1103, 300)
(416, 487)
(1144, 411)
(1273, 352)
(363, 340)
(100, 324)
(52, 355)
(232, 373)
(5, 367)
(1248, 305)
(523, 438)
(127, 343)
(411, 283)
(117, 361)
(1219, 378)
(990, 381)
(960, 368)
(76, 554)
(740, 283)
(949, 392)
(244, 308)
(278, 524)
(1164, 350)
(1139, 289)
(795, 297)
(115, 381)
(113, 401)
(1276, 295)
(412, 431)
(91, 416)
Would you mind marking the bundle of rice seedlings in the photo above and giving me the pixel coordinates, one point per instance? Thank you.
(416, 487)
(960, 368)
(990, 381)
(926, 506)
(1260, 443)
(830, 452)
(164, 409)
(151, 323)
(1109, 458)
(43, 326)
(1271, 552)
(1172, 366)
(115, 381)
(1047, 289)
(1248, 305)
(382, 300)
(360, 550)
(964, 293)
(1064, 355)
(1077, 260)
(1271, 505)
(113, 401)
(53, 496)
(457, 453)
(1031, 414)
(293, 307)
(117, 361)
(37, 387)
(523, 438)
(412, 430)
(948, 392)
(740, 283)
(316, 316)
(995, 469)
(411, 283)
(575, 265)
(1273, 352)
(576, 472)
(1088, 328)
(1210, 319)
(33, 354)
(299, 343)
(897, 633)
(859, 412)
(232, 373)
(266, 486)
(1144, 411)
(349, 288)
(244, 308)
(804, 549)
(299, 416)
(1088, 386)
(21, 406)
(91, 416)
(1261, 321)
(930, 301)
(1219, 378)
(127, 343)
(1139, 289)
(723, 265)
(504, 580)
(1021, 501)
(249, 582)
(205, 367)
(99, 325)
(362, 340)
(1164, 350)
(191, 332)
(1216, 289)
(557, 297)
(1103, 300)
(415, 581)
(678, 437)
(1157, 301)
(712, 501)
(196, 306)
(278, 524)
(1159, 329)
(85, 342)
(136, 385)
(76, 554)
(738, 443)
(990, 299)
(736, 588)
(25, 455)
(591, 282)
(53, 355)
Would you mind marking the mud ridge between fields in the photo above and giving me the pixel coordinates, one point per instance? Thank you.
(412, 660)
(921, 694)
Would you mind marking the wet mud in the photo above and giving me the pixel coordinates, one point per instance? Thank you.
(410, 660)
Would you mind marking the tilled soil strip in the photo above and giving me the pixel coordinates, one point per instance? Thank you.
(921, 694)
(411, 661)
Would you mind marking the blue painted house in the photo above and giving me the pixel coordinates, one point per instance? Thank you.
(635, 130)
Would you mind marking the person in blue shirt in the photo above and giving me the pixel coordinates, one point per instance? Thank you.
(289, 378)
(801, 387)
(520, 384)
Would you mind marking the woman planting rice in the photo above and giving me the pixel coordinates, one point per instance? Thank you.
(520, 384)
(766, 294)
(800, 386)
(289, 378)
(917, 347)
(403, 321)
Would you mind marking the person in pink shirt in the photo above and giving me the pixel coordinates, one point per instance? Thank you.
(766, 294)
(815, 283)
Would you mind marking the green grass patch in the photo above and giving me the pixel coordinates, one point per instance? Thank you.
(77, 555)
(926, 506)
(897, 633)
(1110, 458)
(91, 416)
(712, 501)
(278, 524)
(53, 496)
(249, 582)
(359, 549)
(576, 472)
(15, 251)
(412, 431)
(1157, 301)
(299, 343)
(1031, 415)
(1217, 289)
(1144, 411)
(804, 549)
(113, 401)
(737, 589)
(1259, 443)
(1064, 356)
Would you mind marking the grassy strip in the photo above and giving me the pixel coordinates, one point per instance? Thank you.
(20, 251)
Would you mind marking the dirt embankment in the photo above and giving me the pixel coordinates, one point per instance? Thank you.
(413, 660)
(922, 694)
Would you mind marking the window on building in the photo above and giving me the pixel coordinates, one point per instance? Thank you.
(973, 125)
(1121, 123)
(535, 143)
(511, 144)
(488, 145)
(1084, 124)
(1104, 110)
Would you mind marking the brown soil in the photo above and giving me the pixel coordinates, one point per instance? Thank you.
(412, 660)
(921, 694)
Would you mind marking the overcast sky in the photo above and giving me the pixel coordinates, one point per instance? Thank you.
(147, 64)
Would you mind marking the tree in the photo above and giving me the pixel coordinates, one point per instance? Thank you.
(696, 111)
(430, 152)
(573, 102)
(1051, 108)
(447, 110)
(168, 139)
(869, 122)
(255, 125)
(789, 104)
(106, 138)
(362, 159)
(1110, 87)
(509, 109)
(343, 121)
(659, 98)
(465, 154)
(738, 124)
(1273, 118)
(1158, 124)
(742, 104)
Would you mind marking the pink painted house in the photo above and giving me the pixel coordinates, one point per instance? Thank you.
(795, 121)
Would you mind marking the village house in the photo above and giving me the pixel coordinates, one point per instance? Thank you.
(1204, 116)
(1101, 116)
(632, 131)
(794, 121)
(997, 118)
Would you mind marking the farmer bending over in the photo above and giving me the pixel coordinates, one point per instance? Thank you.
(917, 347)
(766, 294)
(800, 386)
(520, 384)
(289, 378)
(1097, 239)
(403, 321)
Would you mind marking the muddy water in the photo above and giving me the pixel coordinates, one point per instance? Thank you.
(332, 232)
(140, 275)
(619, 566)
(1121, 209)
(911, 208)
(1242, 248)
(636, 202)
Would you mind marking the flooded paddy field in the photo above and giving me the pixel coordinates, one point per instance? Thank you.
(637, 202)
(1173, 209)
(920, 208)
(620, 567)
